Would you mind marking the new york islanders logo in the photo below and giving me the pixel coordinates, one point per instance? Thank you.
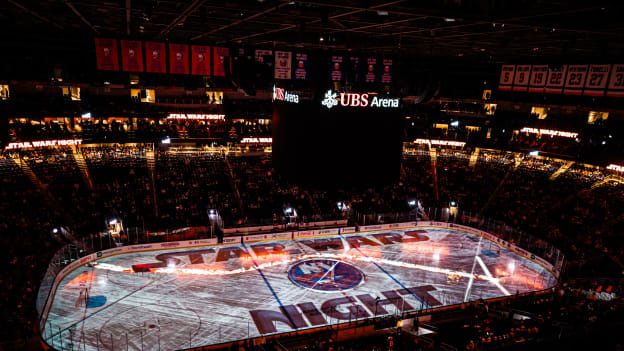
(325, 275)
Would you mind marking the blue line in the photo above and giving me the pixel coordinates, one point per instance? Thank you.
(263, 277)
(283, 310)
(391, 277)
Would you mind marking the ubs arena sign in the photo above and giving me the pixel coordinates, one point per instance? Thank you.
(282, 94)
(332, 99)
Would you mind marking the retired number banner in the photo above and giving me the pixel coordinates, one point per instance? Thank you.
(155, 57)
(616, 82)
(178, 59)
(596, 81)
(200, 60)
(538, 78)
(506, 77)
(575, 79)
(132, 55)
(555, 80)
(521, 79)
(106, 54)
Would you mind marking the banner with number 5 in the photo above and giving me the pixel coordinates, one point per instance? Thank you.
(616, 82)
(506, 77)
(596, 80)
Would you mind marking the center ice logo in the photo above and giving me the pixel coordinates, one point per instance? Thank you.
(325, 275)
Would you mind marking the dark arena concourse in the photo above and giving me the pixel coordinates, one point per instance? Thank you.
(277, 175)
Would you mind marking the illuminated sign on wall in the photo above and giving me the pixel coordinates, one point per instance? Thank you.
(256, 140)
(195, 116)
(549, 132)
(331, 99)
(615, 167)
(43, 143)
(282, 94)
(440, 142)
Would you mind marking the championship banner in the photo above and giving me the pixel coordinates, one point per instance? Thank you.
(354, 69)
(616, 82)
(575, 79)
(506, 77)
(155, 57)
(283, 64)
(106, 54)
(555, 80)
(301, 66)
(200, 60)
(386, 75)
(178, 59)
(596, 80)
(221, 58)
(335, 71)
(538, 78)
(261, 56)
(132, 55)
(521, 79)
(371, 70)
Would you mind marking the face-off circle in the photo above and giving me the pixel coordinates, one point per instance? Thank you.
(325, 275)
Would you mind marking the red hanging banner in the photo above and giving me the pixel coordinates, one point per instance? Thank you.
(221, 57)
(178, 59)
(155, 57)
(106, 54)
(132, 55)
(200, 59)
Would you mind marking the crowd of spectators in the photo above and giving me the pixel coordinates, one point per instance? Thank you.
(581, 210)
(143, 130)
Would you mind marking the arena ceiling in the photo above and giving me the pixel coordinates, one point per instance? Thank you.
(496, 28)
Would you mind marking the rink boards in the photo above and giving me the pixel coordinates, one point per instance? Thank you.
(189, 294)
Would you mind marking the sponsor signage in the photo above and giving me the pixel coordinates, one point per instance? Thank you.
(281, 94)
(256, 140)
(43, 143)
(549, 132)
(196, 116)
(440, 142)
(332, 99)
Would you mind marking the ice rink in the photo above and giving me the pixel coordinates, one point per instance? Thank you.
(181, 298)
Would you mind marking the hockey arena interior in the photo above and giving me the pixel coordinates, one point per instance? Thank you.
(278, 175)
